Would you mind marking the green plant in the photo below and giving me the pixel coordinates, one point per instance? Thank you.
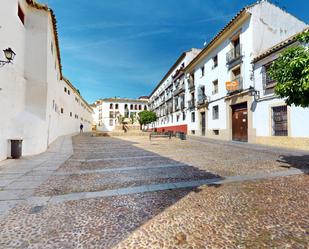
(147, 117)
(291, 71)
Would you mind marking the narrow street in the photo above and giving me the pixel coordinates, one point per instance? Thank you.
(129, 192)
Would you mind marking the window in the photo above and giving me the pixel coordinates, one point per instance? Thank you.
(269, 83)
(70, 114)
(215, 112)
(69, 92)
(131, 107)
(280, 121)
(111, 122)
(192, 117)
(215, 61)
(216, 132)
(183, 116)
(140, 107)
(236, 73)
(65, 89)
(145, 107)
(61, 110)
(135, 107)
(111, 106)
(215, 87)
(21, 14)
(116, 106)
(202, 71)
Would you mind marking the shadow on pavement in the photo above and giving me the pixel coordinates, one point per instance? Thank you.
(118, 215)
(292, 161)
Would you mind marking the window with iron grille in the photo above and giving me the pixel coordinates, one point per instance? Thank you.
(215, 112)
(280, 121)
(269, 83)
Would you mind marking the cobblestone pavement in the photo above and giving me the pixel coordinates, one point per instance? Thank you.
(271, 213)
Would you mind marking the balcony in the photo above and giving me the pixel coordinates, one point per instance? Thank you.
(182, 105)
(234, 57)
(191, 85)
(179, 89)
(168, 96)
(202, 100)
(191, 104)
(235, 86)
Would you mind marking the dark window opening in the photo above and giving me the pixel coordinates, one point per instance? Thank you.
(21, 14)
(215, 61)
(193, 117)
(216, 132)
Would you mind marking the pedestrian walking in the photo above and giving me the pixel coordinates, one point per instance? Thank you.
(81, 127)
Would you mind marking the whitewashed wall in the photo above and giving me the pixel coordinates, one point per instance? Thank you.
(298, 118)
(105, 106)
(29, 86)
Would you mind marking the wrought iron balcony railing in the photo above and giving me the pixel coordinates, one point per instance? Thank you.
(202, 99)
(234, 56)
(191, 104)
(237, 86)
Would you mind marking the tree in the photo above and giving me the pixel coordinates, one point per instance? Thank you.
(291, 71)
(147, 117)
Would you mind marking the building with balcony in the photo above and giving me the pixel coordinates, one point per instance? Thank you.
(38, 104)
(221, 78)
(110, 113)
(169, 99)
(275, 122)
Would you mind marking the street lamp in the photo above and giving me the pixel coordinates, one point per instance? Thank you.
(254, 93)
(9, 55)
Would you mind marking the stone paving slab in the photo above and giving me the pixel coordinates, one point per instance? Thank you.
(119, 169)
(18, 178)
(168, 186)
(15, 194)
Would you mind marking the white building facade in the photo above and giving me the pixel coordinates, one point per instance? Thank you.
(169, 99)
(274, 121)
(111, 112)
(38, 103)
(220, 80)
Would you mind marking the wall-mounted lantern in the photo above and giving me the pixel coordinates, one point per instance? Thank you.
(254, 93)
(9, 55)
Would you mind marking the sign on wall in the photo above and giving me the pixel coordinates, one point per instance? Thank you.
(232, 85)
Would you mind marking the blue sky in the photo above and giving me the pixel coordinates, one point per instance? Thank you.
(124, 47)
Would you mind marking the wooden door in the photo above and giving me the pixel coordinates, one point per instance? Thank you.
(240, 122)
